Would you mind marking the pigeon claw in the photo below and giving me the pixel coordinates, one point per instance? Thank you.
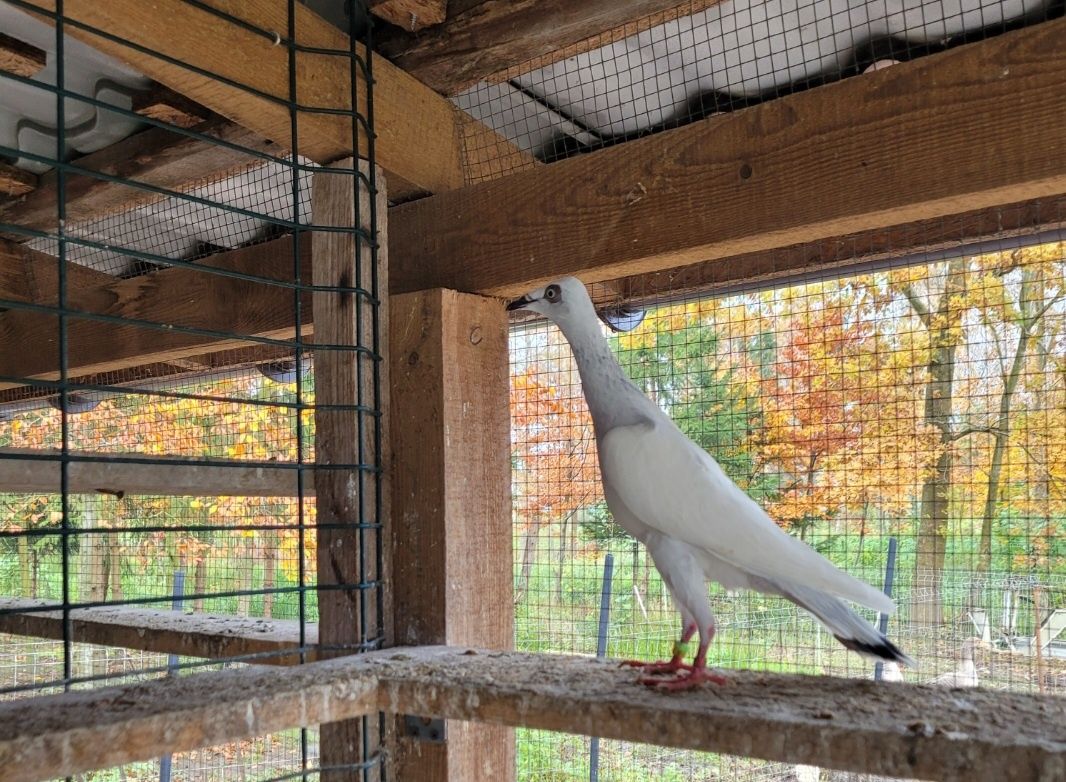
(659, 668)
(690, 680)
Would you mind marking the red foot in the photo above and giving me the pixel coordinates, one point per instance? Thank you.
(688, 681)
(659, 668)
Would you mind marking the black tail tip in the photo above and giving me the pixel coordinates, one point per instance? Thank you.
(883, 649)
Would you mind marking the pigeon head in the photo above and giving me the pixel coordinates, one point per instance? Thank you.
(565, 302)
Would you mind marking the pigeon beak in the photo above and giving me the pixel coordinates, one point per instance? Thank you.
(519, 304)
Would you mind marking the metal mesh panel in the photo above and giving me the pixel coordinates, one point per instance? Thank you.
(162, 329)
(901, 417)
(707, 58)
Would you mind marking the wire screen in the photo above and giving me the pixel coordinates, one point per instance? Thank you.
(705, 58)
(903, 420)
(162, 413)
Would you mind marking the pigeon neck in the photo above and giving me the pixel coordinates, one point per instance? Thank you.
(612, 399)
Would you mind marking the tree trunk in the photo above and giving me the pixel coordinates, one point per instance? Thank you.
(529, 551)
(561, 562)
(1031, 308)
(199, 582)
(999, 448)
(270, 565)
(115, 571)
(944, 327)
(246, 564)
(26, 566)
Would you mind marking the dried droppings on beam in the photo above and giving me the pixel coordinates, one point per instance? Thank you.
(859, 725)
(212, 636)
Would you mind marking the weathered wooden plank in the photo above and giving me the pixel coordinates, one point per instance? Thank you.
(212, 636)
(19, 57)
(157, 157)
(345, 433)
(163, 104)
(179, 297)
(479, 40)
(967, 129)
(23, 470)
(887, 728)
(415, 129)
(411, 15)
(15, 181)
(451, 530)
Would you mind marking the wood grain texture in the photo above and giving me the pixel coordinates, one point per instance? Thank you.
(451, 534)
(410, 15)
(163, 104)
(346, 435)
(20, 58)
(211, 636)
(970, 128)
(846, 254)
(180, 296)
(38, 472)
(886, 728)
(157, 157)
(31, 277)
(14, 181)
(416, 137)
(480, 39)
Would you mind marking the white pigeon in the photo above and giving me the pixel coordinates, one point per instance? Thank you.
(697, 524)
(890, 672)
(966, 674)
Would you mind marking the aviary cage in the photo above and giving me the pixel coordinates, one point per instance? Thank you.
(268, 509)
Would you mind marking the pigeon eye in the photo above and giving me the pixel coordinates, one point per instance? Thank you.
(552, 293)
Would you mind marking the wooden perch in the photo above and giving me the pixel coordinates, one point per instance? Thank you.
(212, 636)
(893, 729)
(169, 476)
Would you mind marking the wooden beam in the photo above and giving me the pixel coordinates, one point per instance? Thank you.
(163, 104)
(493, 40)
(31, 277)
(451, 521)
(20, 58)
(411, 15)
(181, 297)
(32, 471)
(1005, 227)
(14, 181)
(886, 728)
(211, 636)
(157, 157)
(415, 129)
(345, 433)
(153, 375)
(967, 129)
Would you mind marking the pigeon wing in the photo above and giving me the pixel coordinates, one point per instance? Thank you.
(676, 488)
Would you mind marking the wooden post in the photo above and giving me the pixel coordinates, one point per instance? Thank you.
(348, 499)
(451, 528)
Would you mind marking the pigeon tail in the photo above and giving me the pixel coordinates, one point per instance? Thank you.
(849, 628)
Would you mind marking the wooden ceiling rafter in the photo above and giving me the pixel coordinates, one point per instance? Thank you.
(964, 130)
(495, 41)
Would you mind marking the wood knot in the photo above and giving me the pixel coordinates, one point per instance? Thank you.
(413, 358)
(476, 336)
(745, 171)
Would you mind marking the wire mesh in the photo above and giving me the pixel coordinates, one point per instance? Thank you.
(158, 323)
(918, 400)
(705, 58)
